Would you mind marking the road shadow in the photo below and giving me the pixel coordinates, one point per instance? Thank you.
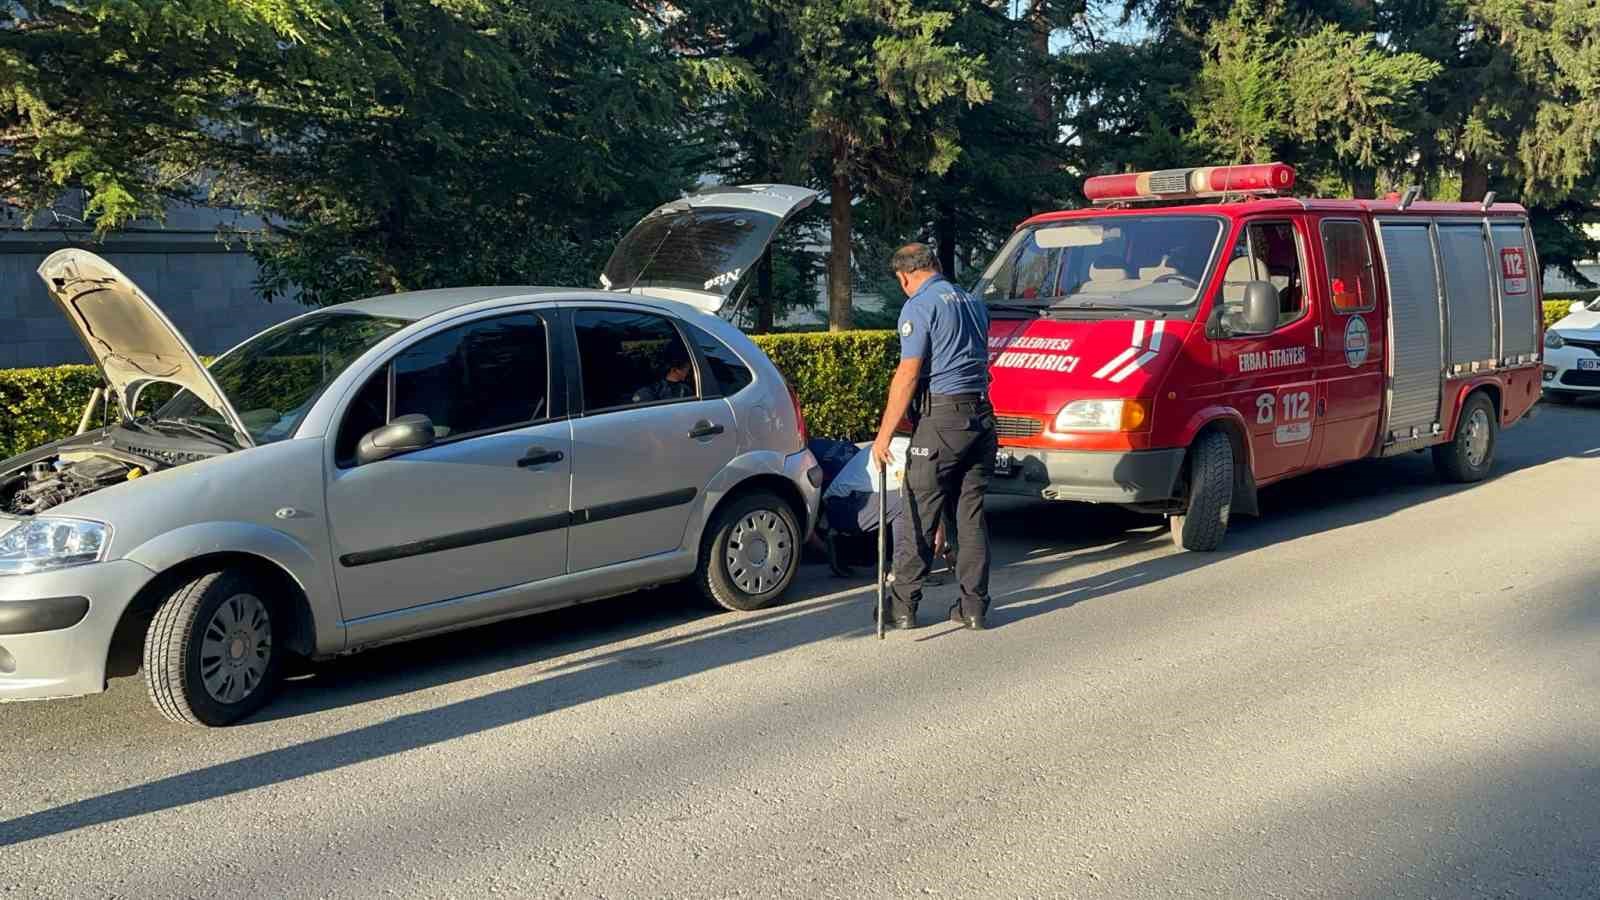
(823, 609)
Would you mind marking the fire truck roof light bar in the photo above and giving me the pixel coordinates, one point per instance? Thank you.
(1183, 184)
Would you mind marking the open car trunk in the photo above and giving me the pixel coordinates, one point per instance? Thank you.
(697, 250)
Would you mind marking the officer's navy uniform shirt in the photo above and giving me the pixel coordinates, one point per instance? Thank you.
(948, 329)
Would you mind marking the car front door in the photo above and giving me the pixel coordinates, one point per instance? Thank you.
(485, 507)
(648, 441)
(1271, 378)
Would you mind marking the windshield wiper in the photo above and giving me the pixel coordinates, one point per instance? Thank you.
(1020, 307)
(1114, 307)
(204, 431)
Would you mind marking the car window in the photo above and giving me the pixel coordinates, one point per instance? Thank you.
(727, 370)
(1350, 281)
(369, 410)
(482, 376)
(632, 359)
(1266, 252)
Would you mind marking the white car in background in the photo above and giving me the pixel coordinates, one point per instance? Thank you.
(1572, 354)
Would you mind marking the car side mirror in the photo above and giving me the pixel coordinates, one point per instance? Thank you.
(1260, 307)
(1578, 306)
(404, 435)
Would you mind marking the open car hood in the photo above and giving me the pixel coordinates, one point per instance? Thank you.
(133, 343)
(698, 249)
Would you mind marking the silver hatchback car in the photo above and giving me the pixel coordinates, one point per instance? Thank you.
(403, 466)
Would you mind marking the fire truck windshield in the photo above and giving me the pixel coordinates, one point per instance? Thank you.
(1106, 263)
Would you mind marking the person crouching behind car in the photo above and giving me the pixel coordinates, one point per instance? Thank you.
(676, 384)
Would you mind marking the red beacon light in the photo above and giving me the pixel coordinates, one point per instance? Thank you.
(1184, 184)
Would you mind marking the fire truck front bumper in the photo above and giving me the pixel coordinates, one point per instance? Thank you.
(1089, 476)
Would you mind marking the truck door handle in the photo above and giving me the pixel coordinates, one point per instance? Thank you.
(539, 456)
(704, 428)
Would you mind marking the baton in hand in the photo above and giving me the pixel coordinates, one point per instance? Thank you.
(883, 503)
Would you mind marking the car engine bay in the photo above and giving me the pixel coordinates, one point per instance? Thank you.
(83, 466)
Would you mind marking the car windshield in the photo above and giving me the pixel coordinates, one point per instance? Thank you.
(273, 378)
(1158, 261)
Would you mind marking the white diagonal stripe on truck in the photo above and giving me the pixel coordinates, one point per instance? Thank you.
(1123, 357)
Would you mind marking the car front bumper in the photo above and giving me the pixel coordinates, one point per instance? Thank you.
(56, 628)
(1091, 476)
(1562, 372)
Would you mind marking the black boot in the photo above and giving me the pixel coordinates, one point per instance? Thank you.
(969, 620)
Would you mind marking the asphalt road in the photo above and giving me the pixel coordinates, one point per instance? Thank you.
(1384, 687)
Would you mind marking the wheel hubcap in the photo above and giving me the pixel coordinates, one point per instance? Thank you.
(235, 648)
(1477, 438)
(760, 551)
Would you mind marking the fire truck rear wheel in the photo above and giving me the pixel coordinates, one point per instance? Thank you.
(1468, 457)
(1205, 518)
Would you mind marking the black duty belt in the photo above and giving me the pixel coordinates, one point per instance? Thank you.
(947, 401)
(961, 404)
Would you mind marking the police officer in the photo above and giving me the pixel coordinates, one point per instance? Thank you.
(942, 383)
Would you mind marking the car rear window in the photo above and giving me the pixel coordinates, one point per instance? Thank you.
(632, 359)
(730, 372)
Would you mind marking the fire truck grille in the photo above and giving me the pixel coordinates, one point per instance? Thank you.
(1017, 426)
(1581, 379)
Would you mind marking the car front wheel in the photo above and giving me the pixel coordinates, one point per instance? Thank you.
(750, 552)
(212, 654)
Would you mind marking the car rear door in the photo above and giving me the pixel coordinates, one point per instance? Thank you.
(484, 508)
(645, 446)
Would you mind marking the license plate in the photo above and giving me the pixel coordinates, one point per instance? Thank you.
(1003, 460)
(1589, 365)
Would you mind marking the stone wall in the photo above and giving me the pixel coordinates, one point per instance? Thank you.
(205, 286)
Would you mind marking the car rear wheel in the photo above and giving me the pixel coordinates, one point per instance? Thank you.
(750, 553)
(211, 654)
(1469, 455)
(1204, 521)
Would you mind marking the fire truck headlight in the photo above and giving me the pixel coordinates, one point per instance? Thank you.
(1126, 414)
(1554, 340)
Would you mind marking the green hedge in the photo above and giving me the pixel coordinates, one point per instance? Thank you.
(41, 405)
(842, 378)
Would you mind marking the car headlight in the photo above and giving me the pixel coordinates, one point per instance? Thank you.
(1125, 414)
(42, 544)
(1553, 340)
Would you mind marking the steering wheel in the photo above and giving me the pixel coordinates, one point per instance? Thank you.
(1184, 280)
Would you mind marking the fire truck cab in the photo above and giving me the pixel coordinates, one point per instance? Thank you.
(1196, 335)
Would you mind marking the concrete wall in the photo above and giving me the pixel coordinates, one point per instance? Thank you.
(201, 283)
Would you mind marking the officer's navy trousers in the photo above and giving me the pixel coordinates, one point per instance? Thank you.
(948, 467)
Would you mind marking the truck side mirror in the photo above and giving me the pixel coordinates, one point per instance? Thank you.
(404, 435)
(1260, 307)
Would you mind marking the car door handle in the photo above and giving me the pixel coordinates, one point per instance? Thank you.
(539, 456)
(704, 428)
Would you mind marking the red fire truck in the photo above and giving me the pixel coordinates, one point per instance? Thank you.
(1198, 334)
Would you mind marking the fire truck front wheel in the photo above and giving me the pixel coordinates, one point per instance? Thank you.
(1204, 520)
(1469, 455)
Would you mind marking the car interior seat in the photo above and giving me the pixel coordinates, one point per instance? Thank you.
(1106, 276)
